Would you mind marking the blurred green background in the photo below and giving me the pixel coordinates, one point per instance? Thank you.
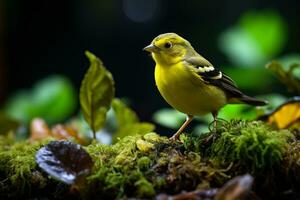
(42, 46)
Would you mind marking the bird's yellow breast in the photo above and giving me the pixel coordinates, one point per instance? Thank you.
(186, 92)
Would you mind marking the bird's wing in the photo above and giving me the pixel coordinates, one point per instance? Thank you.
(213, 76)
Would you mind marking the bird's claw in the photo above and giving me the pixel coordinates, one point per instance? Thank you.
(212, 137)
(175, 138)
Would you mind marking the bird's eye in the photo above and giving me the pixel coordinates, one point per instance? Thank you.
(168, 45)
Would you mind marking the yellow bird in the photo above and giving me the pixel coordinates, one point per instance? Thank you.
(189, 82)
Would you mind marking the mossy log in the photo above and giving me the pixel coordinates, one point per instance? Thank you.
(146, 166)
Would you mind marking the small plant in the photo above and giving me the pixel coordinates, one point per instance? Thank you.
(96, 93)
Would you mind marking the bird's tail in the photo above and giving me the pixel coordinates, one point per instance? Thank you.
(252, 101)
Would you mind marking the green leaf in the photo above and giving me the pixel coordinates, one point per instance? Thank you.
(140, 128)
(127, 121)
(287, 77)
(237, 111)
(257, 37)
(267, 28)
(52, 99)
(244, 78)
(96, 93)
(274, 101)
(7, 124)
(169, 117)
(123, 115)
(289, 60)
(240, 48)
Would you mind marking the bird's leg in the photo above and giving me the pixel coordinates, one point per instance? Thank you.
(189, 118)
(215, 123)
(213, 135)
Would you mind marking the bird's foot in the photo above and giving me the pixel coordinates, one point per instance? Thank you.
(212, 137)
(175, 138)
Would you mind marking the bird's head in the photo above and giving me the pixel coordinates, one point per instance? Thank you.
(169, 48)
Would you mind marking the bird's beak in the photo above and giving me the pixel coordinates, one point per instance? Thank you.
(151, 48)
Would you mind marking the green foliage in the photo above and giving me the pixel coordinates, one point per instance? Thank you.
(287, 77)
(96, 93)
(288, 60)
(238, 111)
(267, 28)
(169, 117)
(257, 37)
(252, 145)
(127, 121)
(123, 114)
(52, 99)
(6, 141)
(274, 100)
(7, 124)
(244, 78)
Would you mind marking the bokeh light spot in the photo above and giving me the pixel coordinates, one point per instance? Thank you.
(140, 10)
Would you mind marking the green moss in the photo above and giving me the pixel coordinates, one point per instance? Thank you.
(291, 161)
(6, 141)
(154, 137)
(253, 145)
(143, 166)
(144, 188)
(144, 163)
(144, 146)
(18, 166)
